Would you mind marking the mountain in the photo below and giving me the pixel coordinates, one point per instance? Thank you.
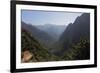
(53, 30)
(73, 43)
(79, 51)
(79, 30)
(32, 50)
(40, 35)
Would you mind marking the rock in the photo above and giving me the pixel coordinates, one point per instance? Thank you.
(27, 56)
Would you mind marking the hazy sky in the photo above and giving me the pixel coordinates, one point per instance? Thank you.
(48, 17)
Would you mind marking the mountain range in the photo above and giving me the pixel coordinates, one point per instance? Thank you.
(39, 52)
(54, 30)
(40, 35)
(79, 30)
(64, 43)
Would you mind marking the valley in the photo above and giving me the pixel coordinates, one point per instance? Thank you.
(51, 42)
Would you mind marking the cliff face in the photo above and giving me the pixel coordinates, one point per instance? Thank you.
(74, 33)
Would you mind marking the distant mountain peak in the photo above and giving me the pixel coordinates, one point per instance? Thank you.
(49, 24)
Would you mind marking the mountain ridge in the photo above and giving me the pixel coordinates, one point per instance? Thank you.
(40, 35)
(75, 32)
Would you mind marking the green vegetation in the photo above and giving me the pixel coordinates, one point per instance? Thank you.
(80, 51)
(39, 52)
(73, 43)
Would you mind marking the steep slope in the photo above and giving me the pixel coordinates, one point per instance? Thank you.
(40, 35)
(79, 51)
(33, 49)
(79, 30)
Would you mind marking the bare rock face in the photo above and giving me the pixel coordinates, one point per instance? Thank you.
(27, 56)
